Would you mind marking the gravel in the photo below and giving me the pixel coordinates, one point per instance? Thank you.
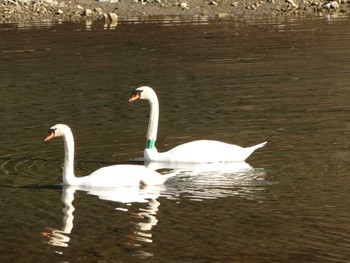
(12, 11)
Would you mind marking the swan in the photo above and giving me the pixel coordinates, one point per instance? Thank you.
(200, 151)
(109, 176)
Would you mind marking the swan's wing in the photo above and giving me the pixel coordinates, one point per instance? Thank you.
(123, 175)
(206, 151)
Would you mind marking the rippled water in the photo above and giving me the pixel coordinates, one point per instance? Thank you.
(243, 81)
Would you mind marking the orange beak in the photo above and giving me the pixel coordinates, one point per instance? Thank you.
(134, 97)
(49, 136)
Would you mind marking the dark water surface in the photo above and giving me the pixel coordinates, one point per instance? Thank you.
(283, 80)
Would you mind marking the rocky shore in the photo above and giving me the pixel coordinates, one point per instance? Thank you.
(12, 11)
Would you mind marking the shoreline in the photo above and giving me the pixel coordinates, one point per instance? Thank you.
(33, 11)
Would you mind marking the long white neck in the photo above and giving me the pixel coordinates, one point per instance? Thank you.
(153, 120)
(68, 167)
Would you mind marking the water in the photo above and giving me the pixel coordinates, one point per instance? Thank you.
(243, 81)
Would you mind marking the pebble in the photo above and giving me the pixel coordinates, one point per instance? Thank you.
(88, 12)
(292, 3)
(184, 5)
(98, 11)
(335, 5)
(113, 17)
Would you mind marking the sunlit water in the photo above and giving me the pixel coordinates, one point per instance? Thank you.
(241, 81)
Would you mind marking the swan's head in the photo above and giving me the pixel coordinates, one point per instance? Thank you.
(143, 93)
(58, 130)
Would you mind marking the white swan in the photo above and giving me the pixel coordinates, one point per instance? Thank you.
(192, 152)
(110, 176)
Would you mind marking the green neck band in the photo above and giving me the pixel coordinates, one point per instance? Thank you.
(150, 144)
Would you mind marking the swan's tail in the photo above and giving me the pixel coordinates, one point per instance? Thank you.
(253, 148)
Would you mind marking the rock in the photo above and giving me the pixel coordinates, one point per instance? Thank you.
(331, 5)
(292, 3)
(213, 2)
(335, 5)
(25, 2)
(59, 12)
(110, 18)
(98, 11)
(50, 2)
(88, 12)
(327, 5)
(113, 17)
(222, 15)
(184, 5)
(12, 2)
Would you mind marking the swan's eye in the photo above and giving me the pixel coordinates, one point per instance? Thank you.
(137, 92)
(52, 131)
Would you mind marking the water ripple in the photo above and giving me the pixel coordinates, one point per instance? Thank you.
(198, 185)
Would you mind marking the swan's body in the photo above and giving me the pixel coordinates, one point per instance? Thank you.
(110, 176)
(201, 151)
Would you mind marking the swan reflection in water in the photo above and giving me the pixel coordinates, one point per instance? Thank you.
(193, 181)
(200, 181)
(146, 218)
